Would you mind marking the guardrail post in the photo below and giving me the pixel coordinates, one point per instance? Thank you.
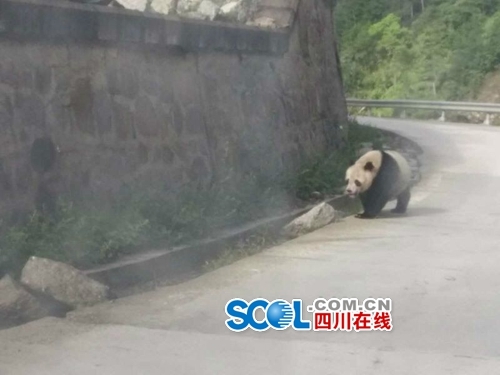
(443, 116)
(487, 119)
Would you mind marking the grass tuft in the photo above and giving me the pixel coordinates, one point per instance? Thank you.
(88, 234)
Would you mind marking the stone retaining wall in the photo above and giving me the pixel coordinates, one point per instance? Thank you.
(94, 98)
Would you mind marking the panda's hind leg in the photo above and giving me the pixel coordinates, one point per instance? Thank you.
(403, 200)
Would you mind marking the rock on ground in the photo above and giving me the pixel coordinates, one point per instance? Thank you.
(17, 306)
(319, 216)
(62, 282)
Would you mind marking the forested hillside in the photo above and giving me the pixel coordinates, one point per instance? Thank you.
(417, 49)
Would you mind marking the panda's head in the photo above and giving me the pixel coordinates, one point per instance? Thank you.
(360, 175)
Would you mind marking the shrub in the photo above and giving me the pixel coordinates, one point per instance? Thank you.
(85, 234)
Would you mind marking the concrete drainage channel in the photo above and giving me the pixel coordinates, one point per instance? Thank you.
(168, 267)
(149, 270)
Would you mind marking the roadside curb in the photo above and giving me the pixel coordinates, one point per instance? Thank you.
(179, 264)
(175, 265)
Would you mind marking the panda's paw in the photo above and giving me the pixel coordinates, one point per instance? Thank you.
(399, 212)
(364, 216)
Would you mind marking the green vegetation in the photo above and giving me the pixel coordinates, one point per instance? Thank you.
(249, 246)
(326, 173)
(417, 49)
(85, 234)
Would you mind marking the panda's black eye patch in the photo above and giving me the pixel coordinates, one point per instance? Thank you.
(358, 184)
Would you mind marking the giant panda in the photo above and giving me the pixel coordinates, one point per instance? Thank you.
(378, 177)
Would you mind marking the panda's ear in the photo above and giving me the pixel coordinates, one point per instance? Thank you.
(351, 162)
(369, 166)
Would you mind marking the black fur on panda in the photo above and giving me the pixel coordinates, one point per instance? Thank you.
(378, 177)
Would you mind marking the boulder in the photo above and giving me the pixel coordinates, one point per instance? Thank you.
(161, 6)
(17, 306)
(187, 6)
(233, 11)
(139, 5)
(319, 216)
(194, 15)
(63, 283)
(208, 10)
(265, 22)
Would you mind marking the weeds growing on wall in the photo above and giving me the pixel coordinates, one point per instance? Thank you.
(325, 173)
(85, 235)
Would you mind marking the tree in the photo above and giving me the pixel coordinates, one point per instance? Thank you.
(418, 49)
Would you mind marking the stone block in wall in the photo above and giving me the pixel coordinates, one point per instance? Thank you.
(142, 153)
(23, 19)
(281, 17)
(284, 4)
(66, 23)
(167, 155)
(123, 119)
(194, 122)
(176, 118)
(103, 113)
(6, 180)
(181, 152)
(234, 11)
(23, 177)
(81, 104)
(131, 29)
(198, 170)
(6, 113)
(161, 6)
(173, 33)
(29, 111)
(122, 81)
(71, 22)
(154, 30)
(147, 122)
(43, 79)
(16, 74)
(139, 5)
(150, 83)
(242, 110)
(108, 26)
(187, 6)
(208, 10)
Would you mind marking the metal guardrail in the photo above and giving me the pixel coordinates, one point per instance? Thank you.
(488, 108)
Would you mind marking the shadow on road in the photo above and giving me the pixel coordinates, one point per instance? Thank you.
(413, 212)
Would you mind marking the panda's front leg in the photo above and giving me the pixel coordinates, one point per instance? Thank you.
(372, 205)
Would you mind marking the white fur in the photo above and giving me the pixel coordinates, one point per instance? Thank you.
(356, 172)
(365, 178)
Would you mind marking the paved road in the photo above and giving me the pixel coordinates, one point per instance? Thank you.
(440, 265)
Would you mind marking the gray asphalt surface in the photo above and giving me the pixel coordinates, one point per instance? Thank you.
(439, 265)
